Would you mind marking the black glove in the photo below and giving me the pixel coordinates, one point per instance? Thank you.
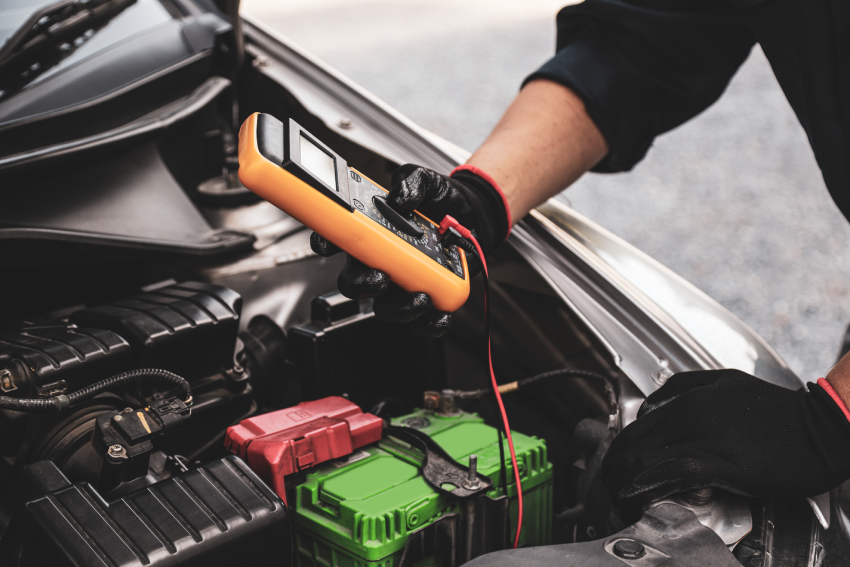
(728, 429)
(470, 196)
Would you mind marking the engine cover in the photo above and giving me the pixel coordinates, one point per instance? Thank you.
(188, 328)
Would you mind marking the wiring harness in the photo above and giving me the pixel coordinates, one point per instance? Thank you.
(61, 402)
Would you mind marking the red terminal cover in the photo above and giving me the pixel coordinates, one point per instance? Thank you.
(286, 441)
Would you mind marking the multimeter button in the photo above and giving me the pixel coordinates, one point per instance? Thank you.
(408, 227)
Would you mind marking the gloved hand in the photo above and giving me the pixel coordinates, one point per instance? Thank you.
(728, 429)
(470, 196)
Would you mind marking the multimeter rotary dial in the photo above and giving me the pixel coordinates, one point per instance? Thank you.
(364, 195)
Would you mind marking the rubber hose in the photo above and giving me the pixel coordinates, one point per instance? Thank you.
(59, 403)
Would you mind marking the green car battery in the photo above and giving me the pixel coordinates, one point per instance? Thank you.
(358, 511)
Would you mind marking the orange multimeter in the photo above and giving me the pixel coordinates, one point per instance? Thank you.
(291, 169)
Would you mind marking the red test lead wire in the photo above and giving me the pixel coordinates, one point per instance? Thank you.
(447, 223)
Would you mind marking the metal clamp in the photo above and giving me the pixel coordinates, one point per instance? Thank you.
(439, 468)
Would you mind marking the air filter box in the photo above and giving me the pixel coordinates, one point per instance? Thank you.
(363, 509)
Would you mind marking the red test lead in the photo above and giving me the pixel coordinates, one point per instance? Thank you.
(447, 223)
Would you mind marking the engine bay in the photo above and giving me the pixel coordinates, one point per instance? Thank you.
(214, 400)
(124, 454)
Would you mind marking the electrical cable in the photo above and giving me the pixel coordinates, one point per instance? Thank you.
(452, 237)
(507, 427)
(500, 425)
(610, 394)
(61, 402)
(446, 224)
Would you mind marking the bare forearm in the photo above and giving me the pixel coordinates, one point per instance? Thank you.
(542, 144)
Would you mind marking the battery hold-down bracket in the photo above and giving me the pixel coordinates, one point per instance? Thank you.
(283, 442)
(483, 525)
(439, 468)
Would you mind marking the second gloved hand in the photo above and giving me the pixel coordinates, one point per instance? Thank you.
(728, 429)
(469, 195)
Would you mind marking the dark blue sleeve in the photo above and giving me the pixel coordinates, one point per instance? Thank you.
(807, 43)
(643, 67)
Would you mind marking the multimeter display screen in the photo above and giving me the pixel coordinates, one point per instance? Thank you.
(317, 162)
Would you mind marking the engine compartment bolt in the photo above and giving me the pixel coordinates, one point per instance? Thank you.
(116, 452)
(629, 549)
(472, 482)
(662, 375)
(118, 418)
(345, 123)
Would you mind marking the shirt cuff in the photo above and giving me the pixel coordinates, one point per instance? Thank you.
(489, 179)
(618, 97)
(827, 387)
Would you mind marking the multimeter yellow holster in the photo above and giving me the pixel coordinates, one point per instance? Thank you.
(290, 168)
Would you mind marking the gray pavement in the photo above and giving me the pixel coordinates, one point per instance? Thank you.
(733, 201)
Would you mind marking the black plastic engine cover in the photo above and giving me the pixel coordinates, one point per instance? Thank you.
(42, 358)
(188, 328)
(220, 514)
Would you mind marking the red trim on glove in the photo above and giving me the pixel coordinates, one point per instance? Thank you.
(823, 383)
(486, 176)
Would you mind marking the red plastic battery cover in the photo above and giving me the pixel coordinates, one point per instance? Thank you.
(286, 441)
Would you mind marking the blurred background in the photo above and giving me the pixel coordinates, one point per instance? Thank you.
(733, 200)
